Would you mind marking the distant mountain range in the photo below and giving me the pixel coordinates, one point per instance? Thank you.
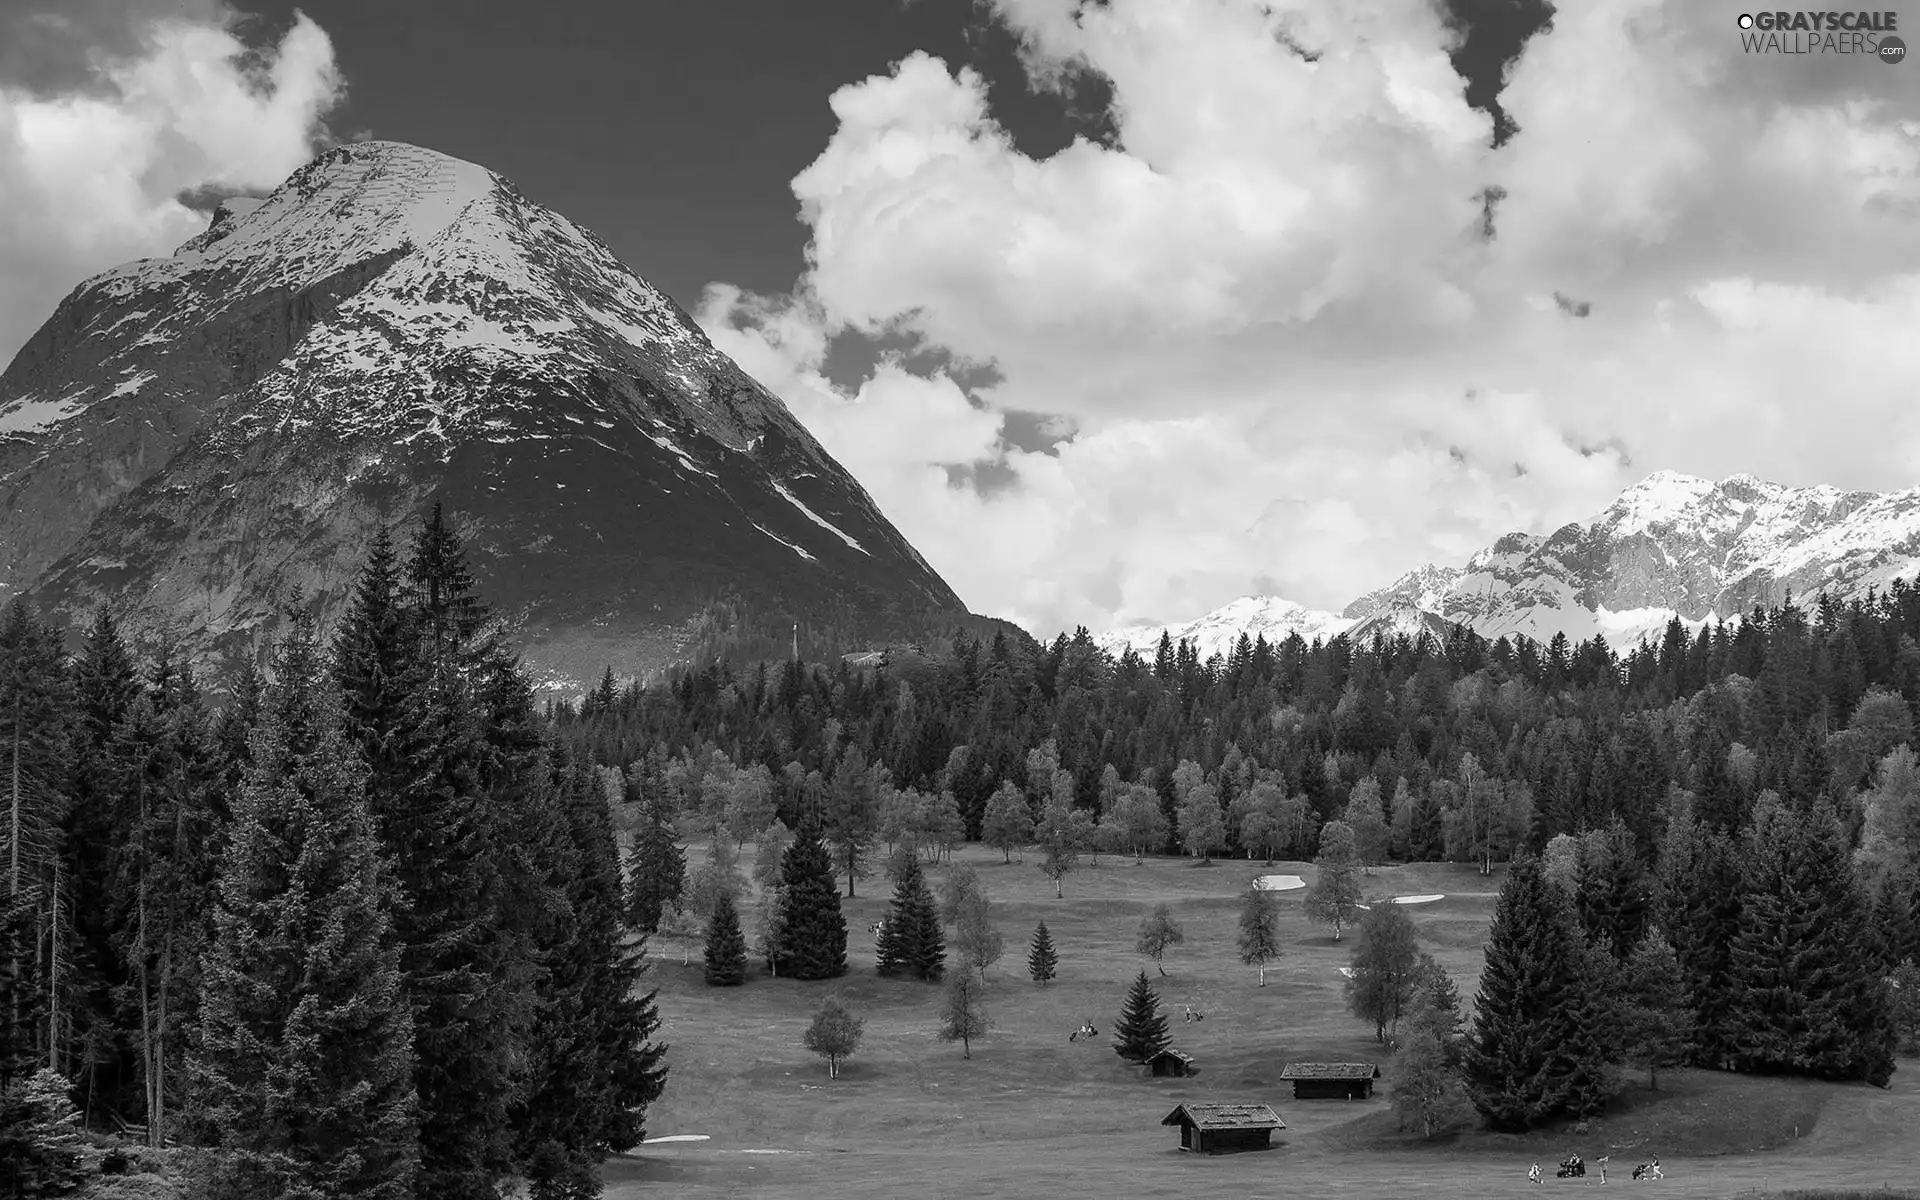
(194, 440)
(1671, 545)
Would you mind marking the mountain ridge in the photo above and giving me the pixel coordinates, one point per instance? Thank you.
(1671, 545)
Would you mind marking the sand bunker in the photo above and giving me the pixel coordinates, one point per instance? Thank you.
(1419, 899)
(1281, 883)
(678, 1137)
(767, 1152)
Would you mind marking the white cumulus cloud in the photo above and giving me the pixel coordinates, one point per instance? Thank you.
(1296, 362)
(92, 166)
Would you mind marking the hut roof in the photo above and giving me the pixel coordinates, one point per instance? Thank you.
(1170, 1052)
(1225, 1116)
(1330, 1071)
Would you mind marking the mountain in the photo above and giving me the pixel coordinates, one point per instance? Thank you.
(1671, 545)
(1215, 633)
(197, 440)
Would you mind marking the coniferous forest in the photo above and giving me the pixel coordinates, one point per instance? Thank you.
(362, 927)
(360, 932)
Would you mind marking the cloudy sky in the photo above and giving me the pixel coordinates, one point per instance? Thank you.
(1120, 310)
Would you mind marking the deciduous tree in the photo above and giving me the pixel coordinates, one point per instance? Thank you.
(1158, 932)
(834, 1034)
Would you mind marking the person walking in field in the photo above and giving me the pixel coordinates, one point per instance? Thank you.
(1533, 1176)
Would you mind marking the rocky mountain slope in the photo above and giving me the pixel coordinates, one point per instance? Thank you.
(1671, 545)
(191, 439)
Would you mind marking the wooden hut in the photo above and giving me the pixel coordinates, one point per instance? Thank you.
(1223, 1128)
(1331, 1081)
(1171, 1062)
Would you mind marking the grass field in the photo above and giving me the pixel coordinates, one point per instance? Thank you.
(1033, 1115)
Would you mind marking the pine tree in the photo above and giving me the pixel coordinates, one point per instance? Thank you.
(1657, 1024)
(412, 659)
(40, 1138)
(657, 867)
(594, 1073)
(108, 786)
(1530, 1054)
(1612, 890)
(1042, 964)
(166, 874)
(1809, 997)
(726, 946)
(303, 1061)
(1700, 899)
(963, 1018)
(35, 714)
(1142, 1029)
(813, 943)
(912, 942)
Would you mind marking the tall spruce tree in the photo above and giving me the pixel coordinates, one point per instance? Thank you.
(1809, 999)
(596, 1071)
(1611, 889)
(1700, 889)
(1141, 1032)
(912, 942)
(726, 952)
(165, 879)
(410, 658)
(108, 789)
(813, 931)
(656, 865)
(1042, 963)
(35, 715)
(1533, 1051)
(303, 1063)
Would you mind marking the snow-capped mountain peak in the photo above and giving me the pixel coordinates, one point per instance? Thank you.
(198, 434)
(1670, 545)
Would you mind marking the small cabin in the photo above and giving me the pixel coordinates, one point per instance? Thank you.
(1331, 1081)
(1224, 1128)
(1171, 1063)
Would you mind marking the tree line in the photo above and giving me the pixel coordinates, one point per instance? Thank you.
(362, 931)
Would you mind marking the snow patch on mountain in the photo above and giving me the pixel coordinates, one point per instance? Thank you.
(1256, 616)
(816, 518)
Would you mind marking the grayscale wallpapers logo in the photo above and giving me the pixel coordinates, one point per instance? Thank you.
(1866, 34)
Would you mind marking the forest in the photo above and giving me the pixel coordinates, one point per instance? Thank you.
(365, 924)
(1744, 799)
(358, 932)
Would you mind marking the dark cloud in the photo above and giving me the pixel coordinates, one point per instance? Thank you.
(1035, 432)
(1572, 307)
(987, 476)
(1491, 34)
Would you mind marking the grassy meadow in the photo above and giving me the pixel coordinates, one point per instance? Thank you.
(1031, 1114)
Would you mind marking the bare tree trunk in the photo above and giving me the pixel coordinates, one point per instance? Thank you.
(13, 844)
(13, 847)
(157, 1119)
(53, 973)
